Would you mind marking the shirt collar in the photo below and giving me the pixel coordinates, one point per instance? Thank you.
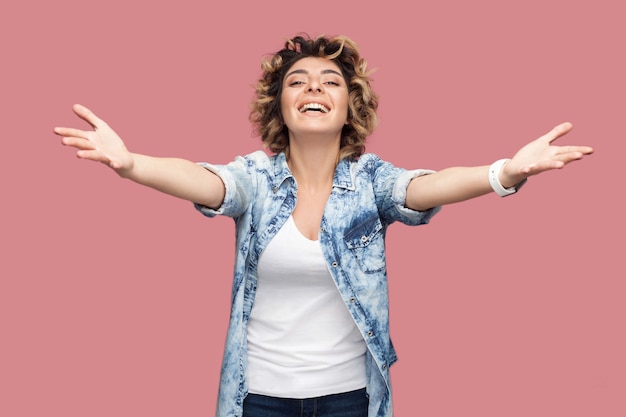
(281, 170)
(343, 175)
(342, 179)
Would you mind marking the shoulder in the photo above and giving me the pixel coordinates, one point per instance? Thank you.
(258, 157)
(260, 166)
(371, 160)
(253, 161)
(368, 158)
(372, 163)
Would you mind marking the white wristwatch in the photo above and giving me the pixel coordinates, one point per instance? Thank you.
(494, 180)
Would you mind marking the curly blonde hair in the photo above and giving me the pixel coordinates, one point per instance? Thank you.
(265, 113)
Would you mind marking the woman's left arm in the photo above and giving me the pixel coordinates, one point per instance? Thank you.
(452, 185)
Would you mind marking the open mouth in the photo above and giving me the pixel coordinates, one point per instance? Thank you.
(314, 107)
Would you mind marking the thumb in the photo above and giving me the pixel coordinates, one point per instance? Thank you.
(88, 116)
(558, 131)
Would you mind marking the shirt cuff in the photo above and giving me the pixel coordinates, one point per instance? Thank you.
(229, 196)
(411, 216)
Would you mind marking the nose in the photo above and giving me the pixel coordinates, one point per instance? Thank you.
(315, 86)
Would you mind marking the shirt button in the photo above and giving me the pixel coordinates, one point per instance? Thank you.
(334, 264)
(352, 300)
(363, 239)
(384, 366)
(370, 333)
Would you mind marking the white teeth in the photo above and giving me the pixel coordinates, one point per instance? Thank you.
(314, 107)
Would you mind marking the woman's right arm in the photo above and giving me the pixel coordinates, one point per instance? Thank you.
(174, 176)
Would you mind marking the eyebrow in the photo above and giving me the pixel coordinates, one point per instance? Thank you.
(303, 71)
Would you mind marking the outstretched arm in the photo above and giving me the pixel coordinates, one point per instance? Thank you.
(178, 177)
(456, 184)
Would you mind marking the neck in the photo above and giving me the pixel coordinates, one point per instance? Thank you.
(313, 166)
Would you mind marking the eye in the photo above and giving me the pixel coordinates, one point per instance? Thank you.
(332, 83)
(295, 83)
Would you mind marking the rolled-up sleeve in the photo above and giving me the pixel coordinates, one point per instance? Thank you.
(398, 196)
(390, 187)
(238, 188)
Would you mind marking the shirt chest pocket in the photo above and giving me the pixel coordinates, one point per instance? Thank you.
(365, 240)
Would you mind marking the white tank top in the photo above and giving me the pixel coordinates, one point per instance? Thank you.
(302, 341)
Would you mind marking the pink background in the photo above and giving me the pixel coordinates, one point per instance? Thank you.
(114, 299)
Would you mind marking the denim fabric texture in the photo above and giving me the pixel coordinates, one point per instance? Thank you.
(367, 196)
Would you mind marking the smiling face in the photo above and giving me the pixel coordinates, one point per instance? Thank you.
(271, 110)
(314, 98)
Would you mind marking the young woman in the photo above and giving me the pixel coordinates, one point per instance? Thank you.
(308, 332)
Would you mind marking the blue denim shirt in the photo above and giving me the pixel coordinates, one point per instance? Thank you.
(367, 196)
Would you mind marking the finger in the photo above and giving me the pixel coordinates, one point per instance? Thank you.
(541, 166)
(87, 115)
(78, 143)
(92, 155)
(566, 158)
(583, 150)
(558, 131)
(557, 161)
(68, 131)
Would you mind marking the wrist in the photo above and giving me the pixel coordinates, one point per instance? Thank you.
(125, 167)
